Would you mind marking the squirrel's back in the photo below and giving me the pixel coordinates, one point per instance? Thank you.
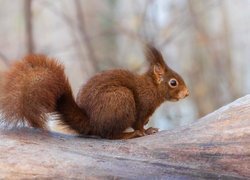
(30, 89)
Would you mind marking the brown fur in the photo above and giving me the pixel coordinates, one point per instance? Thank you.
(108, 104)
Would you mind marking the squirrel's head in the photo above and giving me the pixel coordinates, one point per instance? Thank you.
(169, 83)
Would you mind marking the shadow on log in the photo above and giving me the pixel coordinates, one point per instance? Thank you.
(216, 146)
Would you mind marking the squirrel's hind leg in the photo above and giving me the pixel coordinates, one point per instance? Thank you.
(37, 122)
(128, 135)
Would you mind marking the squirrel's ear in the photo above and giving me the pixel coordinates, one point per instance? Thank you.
(158, 73)
(154, 56)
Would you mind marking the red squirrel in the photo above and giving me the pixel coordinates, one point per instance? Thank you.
(108, 104)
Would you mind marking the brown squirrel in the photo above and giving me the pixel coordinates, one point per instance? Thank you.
(108, 104)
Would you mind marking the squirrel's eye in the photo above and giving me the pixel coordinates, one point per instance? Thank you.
(173, 83)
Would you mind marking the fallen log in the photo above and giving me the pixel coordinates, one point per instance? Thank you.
(214, 147)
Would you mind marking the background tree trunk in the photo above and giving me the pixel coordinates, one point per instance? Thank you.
(216, 146)
(29, 26)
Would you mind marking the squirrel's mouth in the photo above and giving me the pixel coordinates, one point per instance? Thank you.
(180, 96)
(183, 94)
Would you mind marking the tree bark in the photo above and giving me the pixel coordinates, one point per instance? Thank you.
(214, 147)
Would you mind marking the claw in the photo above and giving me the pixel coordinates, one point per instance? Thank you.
(139, 133)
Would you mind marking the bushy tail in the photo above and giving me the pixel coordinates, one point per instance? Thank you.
(35, 86)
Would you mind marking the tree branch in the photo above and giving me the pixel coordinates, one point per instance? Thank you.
(214, 147)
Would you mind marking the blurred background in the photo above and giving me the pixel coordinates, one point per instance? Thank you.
(207, 42)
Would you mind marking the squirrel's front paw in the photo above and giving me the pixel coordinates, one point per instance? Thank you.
(139, 133)
(151, 130)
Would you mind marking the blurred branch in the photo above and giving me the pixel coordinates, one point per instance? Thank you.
(200, 29)
(213, 53)
(118, 29)
(60, 14)
(142, 18)
(84, 34)
(28, 26)
(65, 48)
(66, 19)
(232, 82)
(81, 26)
(183, 24)
(172, 36)
(204, 43)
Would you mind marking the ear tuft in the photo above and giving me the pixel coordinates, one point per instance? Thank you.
(154, 56)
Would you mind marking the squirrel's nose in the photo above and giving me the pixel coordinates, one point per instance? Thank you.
(182, 94)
